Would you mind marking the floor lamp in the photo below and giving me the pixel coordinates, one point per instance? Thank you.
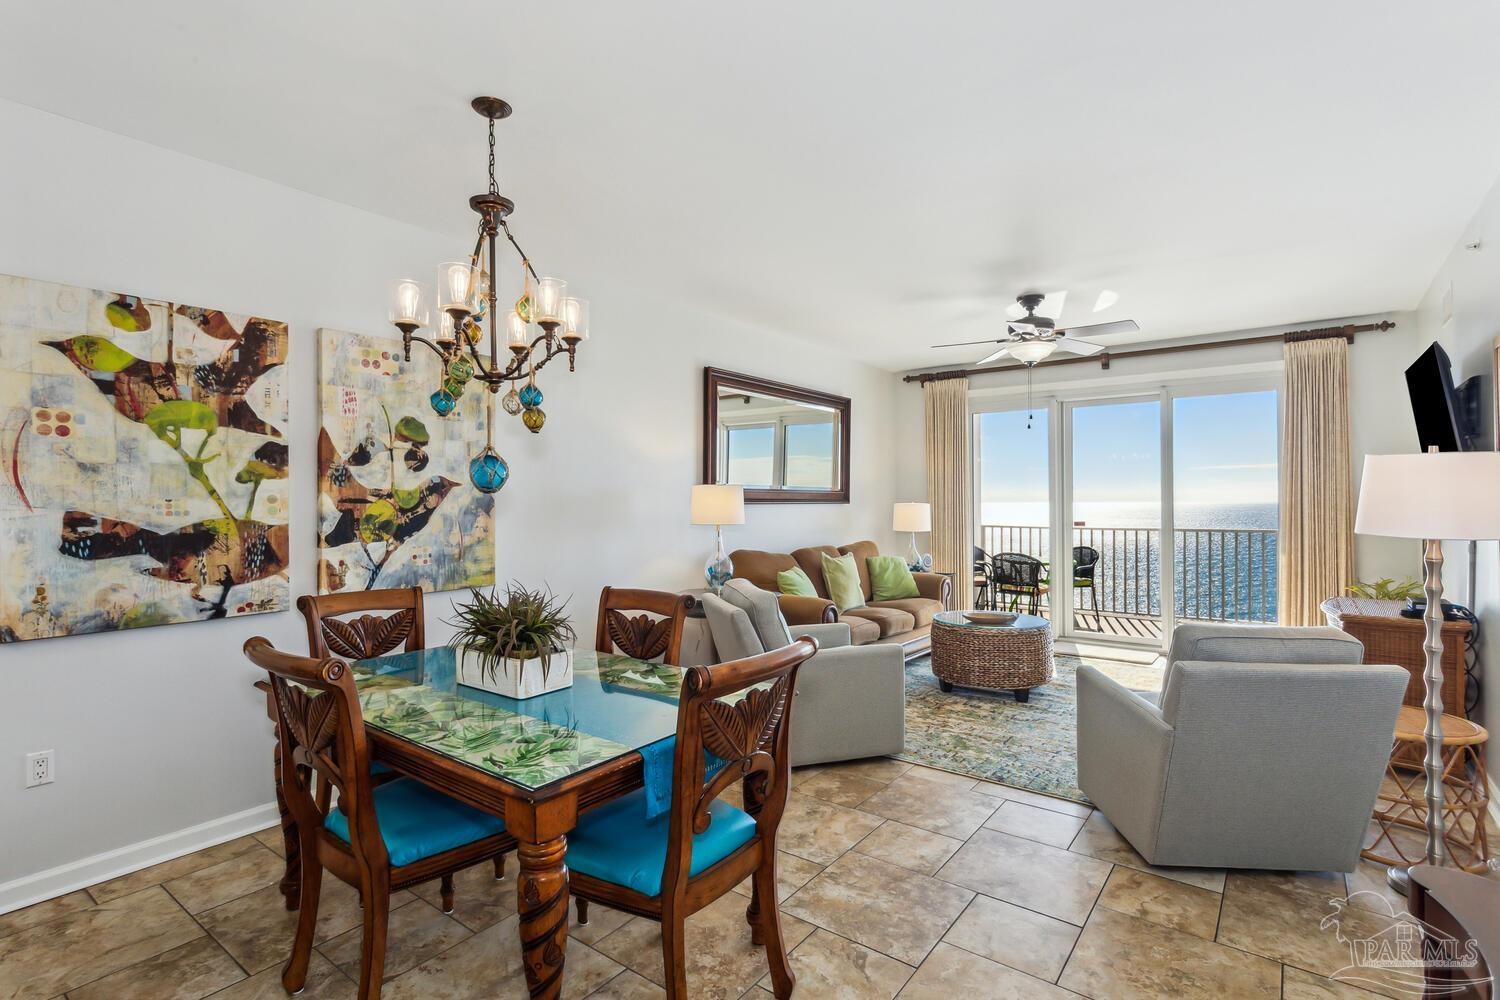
(1434, 497)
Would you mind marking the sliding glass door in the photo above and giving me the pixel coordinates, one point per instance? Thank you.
(1013, 476)
(1143, 509)
(1225, 489)
(1112, 573)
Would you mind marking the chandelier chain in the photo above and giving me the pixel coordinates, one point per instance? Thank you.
(494, 185)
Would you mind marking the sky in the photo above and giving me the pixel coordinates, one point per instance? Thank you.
(809, 455)
(1224, 452)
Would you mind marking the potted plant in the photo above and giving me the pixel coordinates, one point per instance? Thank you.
(514, 643)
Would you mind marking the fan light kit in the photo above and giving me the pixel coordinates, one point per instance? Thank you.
(467, 302)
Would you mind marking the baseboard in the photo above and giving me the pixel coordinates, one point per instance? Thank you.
(133, 857)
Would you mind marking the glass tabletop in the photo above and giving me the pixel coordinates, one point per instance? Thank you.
(1021, 622)
(616, 705)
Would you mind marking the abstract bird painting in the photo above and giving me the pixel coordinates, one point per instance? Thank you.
(395, 507)
(143, 463)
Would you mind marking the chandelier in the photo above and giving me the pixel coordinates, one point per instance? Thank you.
(467, 303)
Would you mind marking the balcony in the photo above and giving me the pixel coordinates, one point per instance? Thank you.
(1220, 575)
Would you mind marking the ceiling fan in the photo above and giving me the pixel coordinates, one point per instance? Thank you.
(1033, 338)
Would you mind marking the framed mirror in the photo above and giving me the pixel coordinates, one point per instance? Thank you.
(782, 443)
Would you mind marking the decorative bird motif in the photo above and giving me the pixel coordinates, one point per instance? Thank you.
(137, 386)
(370, 514)
(217, 552)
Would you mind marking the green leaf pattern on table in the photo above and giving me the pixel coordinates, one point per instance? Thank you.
(519, 748)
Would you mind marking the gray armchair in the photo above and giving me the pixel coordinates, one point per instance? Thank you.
(851, 700)
(1265, 749)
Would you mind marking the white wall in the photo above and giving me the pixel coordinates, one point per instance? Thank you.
(1380, 417)
(158, 731)
(1473, 276)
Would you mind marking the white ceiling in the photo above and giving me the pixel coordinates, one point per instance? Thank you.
(882, 176)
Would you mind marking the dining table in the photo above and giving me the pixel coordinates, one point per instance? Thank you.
(537, 763)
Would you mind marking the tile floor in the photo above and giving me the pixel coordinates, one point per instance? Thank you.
(896, 881)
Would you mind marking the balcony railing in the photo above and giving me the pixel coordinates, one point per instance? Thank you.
(1220, 574)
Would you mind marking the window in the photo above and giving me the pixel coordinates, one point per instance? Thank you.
(749, 454)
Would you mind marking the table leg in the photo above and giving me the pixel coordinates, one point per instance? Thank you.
(542, 889)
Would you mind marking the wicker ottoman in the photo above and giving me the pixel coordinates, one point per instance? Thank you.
(1017, 657)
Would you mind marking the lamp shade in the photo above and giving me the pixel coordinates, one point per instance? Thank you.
(714, 504)
(1437, 495)
(912, 517)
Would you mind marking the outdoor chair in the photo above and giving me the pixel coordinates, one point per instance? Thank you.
(1019, 577)
(1085, 564)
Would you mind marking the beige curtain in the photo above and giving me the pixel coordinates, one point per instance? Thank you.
(949, 490)
(1316, 554)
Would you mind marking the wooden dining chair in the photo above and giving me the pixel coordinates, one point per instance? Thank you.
(643, 636)
(378, 839)
(369, 635)
(330, 633)
(669, 867)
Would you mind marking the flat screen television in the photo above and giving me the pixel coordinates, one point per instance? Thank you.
(1446, 416)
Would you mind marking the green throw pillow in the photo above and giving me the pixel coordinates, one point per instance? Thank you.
(795, 583)
(890, 579)
(841, 576)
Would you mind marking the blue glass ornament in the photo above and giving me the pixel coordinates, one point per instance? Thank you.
(442, 402)
(531, 395)
(488, 471)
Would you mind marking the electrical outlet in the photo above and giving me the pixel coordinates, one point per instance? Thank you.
(40, 768)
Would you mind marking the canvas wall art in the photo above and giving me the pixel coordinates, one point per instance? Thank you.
(143, 462)
(395, 506)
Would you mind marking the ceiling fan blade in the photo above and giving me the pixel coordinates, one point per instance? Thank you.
(1080, 347)
(969, 343)
(1103, 329)
(994, 357)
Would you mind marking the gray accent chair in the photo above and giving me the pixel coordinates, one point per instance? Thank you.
(851, 700)
(1266, 749)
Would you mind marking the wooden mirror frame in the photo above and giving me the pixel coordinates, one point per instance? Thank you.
(717, 379)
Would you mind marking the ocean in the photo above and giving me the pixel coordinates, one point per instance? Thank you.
(1224, 564)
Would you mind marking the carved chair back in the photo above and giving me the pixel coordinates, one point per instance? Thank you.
(322, 735)
(640, 634)
(330, 634)
(749, 737)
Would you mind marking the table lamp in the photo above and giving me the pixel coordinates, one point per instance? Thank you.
(718, 505)
(912, 517)
(1432, 497)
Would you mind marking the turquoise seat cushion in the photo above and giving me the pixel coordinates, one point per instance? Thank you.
(417, 822)
(617, 843)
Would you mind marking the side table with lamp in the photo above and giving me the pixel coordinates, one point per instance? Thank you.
(1433, 497)
(913, 517)
(718, 505)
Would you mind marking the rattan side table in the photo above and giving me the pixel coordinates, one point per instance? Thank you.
(1015, 657)
(1402, 805)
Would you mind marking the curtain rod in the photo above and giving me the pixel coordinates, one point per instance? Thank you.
(1346, 332)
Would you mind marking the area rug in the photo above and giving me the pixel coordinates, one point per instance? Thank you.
(991, 735)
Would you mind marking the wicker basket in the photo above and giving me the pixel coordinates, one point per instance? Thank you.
(992, 657)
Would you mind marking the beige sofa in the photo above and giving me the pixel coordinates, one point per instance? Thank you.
(906, 622)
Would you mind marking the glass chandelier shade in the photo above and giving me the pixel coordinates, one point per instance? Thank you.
(456, 288)
(479, 343)
(575, 319)
(408, 305)
(547, 300)
(517, 335)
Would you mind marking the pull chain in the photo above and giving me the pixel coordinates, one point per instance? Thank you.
(1029, 401)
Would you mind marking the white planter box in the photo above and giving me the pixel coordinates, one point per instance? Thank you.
(519, 679)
